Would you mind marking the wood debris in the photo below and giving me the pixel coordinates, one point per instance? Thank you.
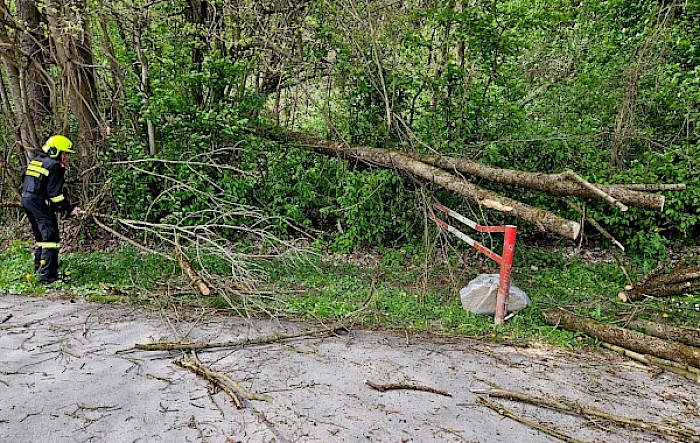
(537, 426)
(689, 372)
(186, 266)
(454, 174)
(627, 338)
(570, 407)
(668, 278)
(220, 380)
(189, 346)
(404, 385)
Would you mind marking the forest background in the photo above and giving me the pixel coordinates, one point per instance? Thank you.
(180, 111)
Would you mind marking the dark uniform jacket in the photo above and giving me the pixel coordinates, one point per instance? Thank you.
(44, 180)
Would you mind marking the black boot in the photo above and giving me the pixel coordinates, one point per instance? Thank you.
(37, 260)
(48, 273)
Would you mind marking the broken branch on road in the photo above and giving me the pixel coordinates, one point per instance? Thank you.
(537, 426)
(221, 381)
(404, 385)
(687, 435)
(186, 346)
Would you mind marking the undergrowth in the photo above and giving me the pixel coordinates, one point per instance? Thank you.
(392, 291)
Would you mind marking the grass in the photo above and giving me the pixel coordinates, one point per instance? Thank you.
(395, 292)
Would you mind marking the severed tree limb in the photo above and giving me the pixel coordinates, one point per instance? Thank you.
(397, 160)
(595, 190)
(404, 385)
(686, 336)
(506, 413)
(130, 241)
(186, 266)
(686, 371)
(636, 341)
(675, 283)
(571, 407)
(680, 275)
(591, 221)
(549, 183)
(654, 187)
(207, 374)
(184, 346)
(221, 381)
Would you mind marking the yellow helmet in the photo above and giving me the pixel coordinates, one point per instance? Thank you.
(57, 144)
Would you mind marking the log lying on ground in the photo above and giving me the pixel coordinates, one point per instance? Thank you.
(688, 336)
(657, 283)
(401, 161)
(636, 341)
(689, 372)
(559, 185)
(574, 408)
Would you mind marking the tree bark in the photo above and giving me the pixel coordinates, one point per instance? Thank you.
(626, 338)
(554, 184)
(73, 51)
(15, 68)
(397, 160)
(34, 47)
(679, 280)
(689, 372)
(686, 336)
(145, 83)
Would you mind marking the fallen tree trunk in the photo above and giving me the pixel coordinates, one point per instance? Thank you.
(554, 184)
(690, 337)
(559, 185)
(484, 197)
(571, 407)
(636, 341)
(679, 280)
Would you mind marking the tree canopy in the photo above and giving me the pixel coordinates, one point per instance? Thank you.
(173, 103)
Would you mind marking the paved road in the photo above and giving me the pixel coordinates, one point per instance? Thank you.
(63, 379)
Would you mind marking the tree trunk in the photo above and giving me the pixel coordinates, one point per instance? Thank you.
(145, 84)
(554, 184)
(401, 161)
(686, 336)
(73, 52)
(118, 93)
(15, 67)
(626, 338)
(34, 47)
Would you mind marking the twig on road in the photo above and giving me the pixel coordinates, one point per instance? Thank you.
(404, 385)
(506, 413)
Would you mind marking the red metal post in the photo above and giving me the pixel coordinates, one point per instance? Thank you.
(504, 278)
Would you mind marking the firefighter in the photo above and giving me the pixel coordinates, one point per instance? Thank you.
(42, 197)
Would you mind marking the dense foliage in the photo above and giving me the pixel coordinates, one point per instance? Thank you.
(609, 88)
